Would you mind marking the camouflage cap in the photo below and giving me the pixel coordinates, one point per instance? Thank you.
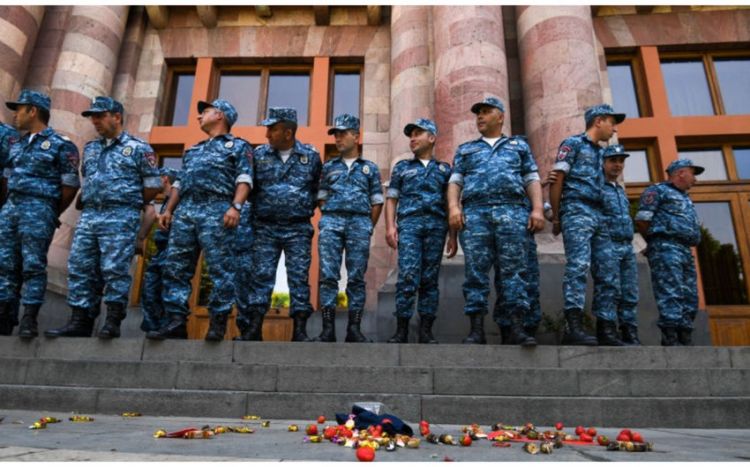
(29, 97)
(424, 123)
(280, 114)
(682, 163)
(615, 150)
(101, 104)
(602, 109)
(230, 113)
(344, 122)
(488, 102)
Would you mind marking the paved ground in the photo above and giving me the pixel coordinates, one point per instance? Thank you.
(114, 438)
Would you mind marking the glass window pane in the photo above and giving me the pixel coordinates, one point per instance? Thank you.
(718, 256)
(623, 89)
(290, 91)
(636, 167)
(172, 162)
(183, 92)
(711, 159)
(742, 161)
(243, 91)
(687, 87)
(345, 94)
(734, 76)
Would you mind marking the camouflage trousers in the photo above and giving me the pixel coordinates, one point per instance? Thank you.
(269, 240)
(625, 278)
(585, 237)
(27, 225)
(152, 306)
(199, 224)
(103, 247)
(243, 253)
(534, 315)
(495, 235)
(420, 251)
(674, 280)
(338, 234)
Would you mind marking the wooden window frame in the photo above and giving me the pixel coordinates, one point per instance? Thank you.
(636, 68)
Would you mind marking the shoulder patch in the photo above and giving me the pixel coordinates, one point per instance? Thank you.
(366, 169)
(649, 197)
(563, 152)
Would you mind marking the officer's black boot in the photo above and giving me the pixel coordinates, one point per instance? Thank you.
(517, 336)
(353, 333)
(402, 331)
(115, 315)
(300, 328)
(606, 333)
(217, 327)
(531, 329)
(504, 335)
(328, 334)
(28, 327)
(685, 336)
(476, 334)
(80, 325)
(6, 322)
(176, 328)
(254, 330)
(425, 329)
(669, 336)
(575, 334)
(629, 334)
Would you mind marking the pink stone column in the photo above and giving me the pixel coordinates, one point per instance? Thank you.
(412, 85)
(47, 49)
(19, 26)
(559, 73)
(130, 54)
(470, 64)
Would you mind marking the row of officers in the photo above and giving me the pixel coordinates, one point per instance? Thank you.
(243, 206)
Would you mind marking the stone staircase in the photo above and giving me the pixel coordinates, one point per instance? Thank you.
(707, 387)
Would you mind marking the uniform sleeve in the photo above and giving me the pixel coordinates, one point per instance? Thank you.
(69, 160)
(648, 205)
(394, 185)
(529, 170)
(147, 165)
(7, 140)
(322, 178)
(376, 186)
(459, 169)
(244, 166)
(565, 156)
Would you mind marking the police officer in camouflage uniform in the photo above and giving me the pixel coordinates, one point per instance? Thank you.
(416, 197)
(576, 198)
(350, 199)
(42, 172)
(8, 136)
(616, 210)
(668, 221)
(204, 211)
(495, 176)
(243, 253)
(287, 174)
(119, 176)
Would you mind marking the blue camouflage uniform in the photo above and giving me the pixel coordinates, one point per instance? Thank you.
(243, 252)
(496, 209)
(422, 225)
(211, 170)
(115, 173)
(616, 211)
(346, 223)
(283, 202)
(36, 170)
(584, 227)
(534, 316)
(8, 136)
(673, 230)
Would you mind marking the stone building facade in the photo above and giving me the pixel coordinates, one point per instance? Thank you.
(548, 63)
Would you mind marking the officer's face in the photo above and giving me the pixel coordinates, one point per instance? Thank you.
(613, 167)
(421, 141)
(606, 127)
(278, 136)
(490, 121)
(23, 116)
(106, 124)
(346, 141)
(209, 117)
(684, 178)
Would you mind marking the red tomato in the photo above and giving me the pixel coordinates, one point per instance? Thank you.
(466, 440)
(365, 454)
(322, 419)
(311, 430)
(579, 430)
(591, 431)
(636, 437)
(559, 426)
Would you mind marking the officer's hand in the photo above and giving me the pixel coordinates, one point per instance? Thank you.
(165, 220)
(451, 247)
(231, 218)
(536, 221)
(456, 219)
(551, 178)
(556, 228)
(391, 237)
